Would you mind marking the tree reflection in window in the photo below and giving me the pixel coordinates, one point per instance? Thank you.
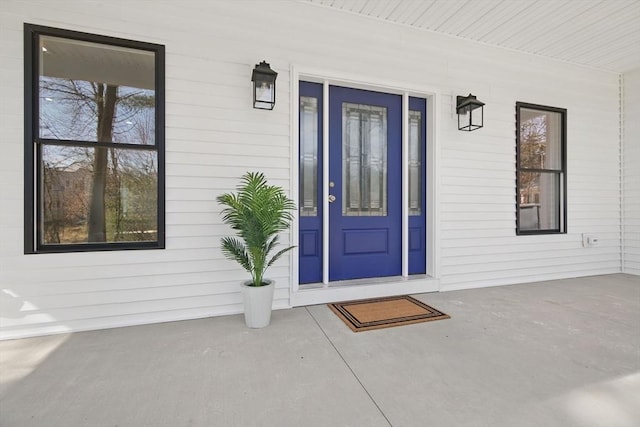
(97, 146)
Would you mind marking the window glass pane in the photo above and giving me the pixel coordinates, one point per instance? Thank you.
(539, 195)
(540, 139)
(415, 163)
(364, 154)
(96, 92)
(98, 194)
(308, 156)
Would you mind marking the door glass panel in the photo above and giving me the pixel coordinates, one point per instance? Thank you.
(415, 163)
(308, 156)
(364, 160)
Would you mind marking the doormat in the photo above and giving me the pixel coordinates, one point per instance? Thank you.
(377, 313)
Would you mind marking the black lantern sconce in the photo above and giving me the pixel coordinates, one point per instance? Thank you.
(468, 118)
(264, 86)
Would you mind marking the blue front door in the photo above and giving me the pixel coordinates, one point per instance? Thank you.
(365, 186)
(364, 182)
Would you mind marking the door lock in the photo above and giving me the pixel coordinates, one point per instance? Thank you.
(332, 198)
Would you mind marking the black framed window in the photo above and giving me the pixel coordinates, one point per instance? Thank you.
(541, 177)
(94, 142)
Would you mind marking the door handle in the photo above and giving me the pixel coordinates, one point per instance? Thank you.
(332, 198)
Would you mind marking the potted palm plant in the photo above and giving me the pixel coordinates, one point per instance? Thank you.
(258, 212)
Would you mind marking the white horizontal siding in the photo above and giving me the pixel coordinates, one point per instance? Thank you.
(213, 136)
(481, 219)
(631, 191)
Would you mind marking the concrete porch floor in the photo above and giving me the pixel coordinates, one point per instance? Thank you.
(557, 353)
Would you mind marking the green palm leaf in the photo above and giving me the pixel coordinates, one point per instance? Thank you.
(257, 213)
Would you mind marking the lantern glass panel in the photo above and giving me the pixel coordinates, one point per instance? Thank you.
(476, 118)
(264, 91)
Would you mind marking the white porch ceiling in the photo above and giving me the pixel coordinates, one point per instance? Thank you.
(601, 34)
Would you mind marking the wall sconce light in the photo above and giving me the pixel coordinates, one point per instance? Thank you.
(467, 120)
(264, 86)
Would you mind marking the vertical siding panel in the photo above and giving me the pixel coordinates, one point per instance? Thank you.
(631, 189)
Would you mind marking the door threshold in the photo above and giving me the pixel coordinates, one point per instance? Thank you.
(367, 281)
(345, 290)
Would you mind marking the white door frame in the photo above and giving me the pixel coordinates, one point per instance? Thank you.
(384, 286)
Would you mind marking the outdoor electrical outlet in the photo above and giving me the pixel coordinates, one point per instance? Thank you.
(589, 240)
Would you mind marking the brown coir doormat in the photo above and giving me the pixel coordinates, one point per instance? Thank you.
(377, 313)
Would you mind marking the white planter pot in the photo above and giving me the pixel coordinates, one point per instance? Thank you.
(257, 304)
